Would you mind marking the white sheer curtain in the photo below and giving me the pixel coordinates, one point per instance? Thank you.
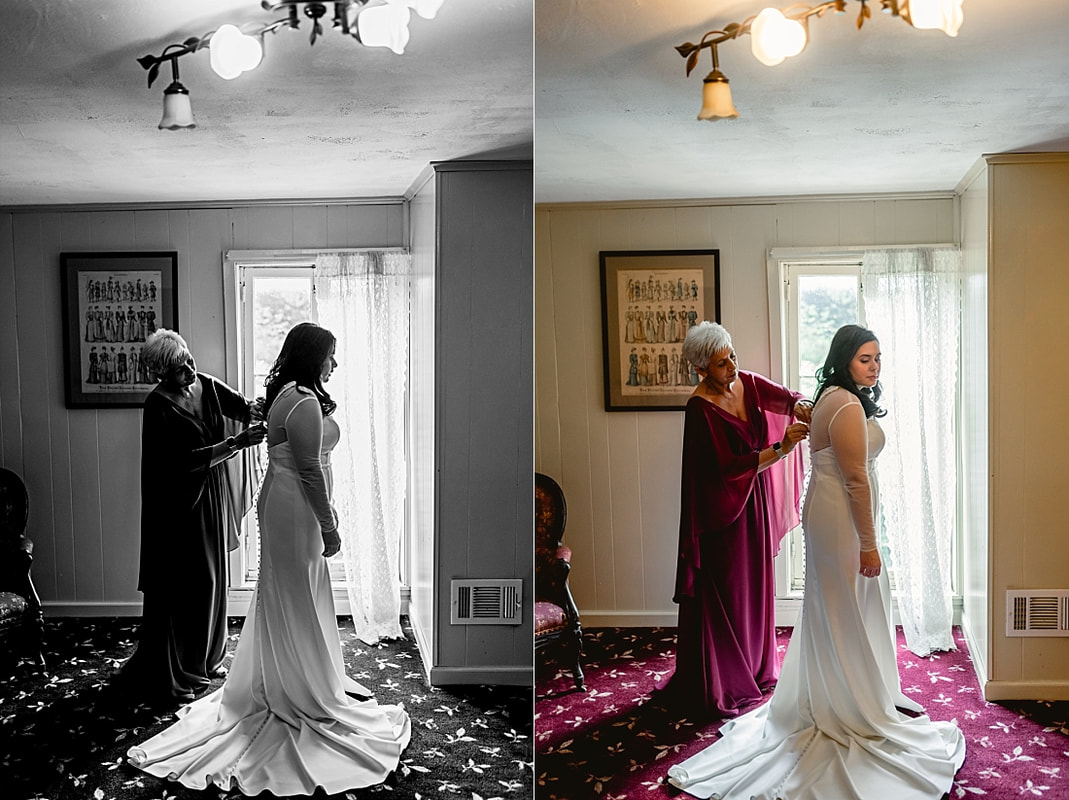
(912, 303)
(362, 297)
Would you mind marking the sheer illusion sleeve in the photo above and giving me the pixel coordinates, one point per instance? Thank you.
(848, 434)
(304, 430)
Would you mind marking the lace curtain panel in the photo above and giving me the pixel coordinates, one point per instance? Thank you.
(912, 303)
(362, 297)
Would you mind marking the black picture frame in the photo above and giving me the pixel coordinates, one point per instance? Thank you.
(111, 302)
(666, 292)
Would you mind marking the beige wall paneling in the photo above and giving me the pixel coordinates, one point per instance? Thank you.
(976, 623)
(620, 470)
(547, 419)
(1029, 204)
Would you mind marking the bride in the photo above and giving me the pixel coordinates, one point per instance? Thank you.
(288, 719)
(836, 725)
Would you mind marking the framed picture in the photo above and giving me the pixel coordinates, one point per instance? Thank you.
(111, 303)
(649, 300)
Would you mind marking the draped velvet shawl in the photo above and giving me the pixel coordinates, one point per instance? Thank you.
(719, 471)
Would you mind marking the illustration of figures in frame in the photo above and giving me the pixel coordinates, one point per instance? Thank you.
(112, 303)
(650, 299)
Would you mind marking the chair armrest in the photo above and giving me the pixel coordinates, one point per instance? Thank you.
(564, 553)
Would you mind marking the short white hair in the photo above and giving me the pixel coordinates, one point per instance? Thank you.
(162, 351)
(703, 341)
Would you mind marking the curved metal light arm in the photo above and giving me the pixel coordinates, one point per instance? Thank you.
(798, 12)
(312, 10)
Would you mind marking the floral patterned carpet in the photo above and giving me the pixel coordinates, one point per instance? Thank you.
(65, 734)
(616, 742)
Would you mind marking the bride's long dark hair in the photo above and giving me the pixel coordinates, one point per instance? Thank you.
(301, 359)
(836, 370)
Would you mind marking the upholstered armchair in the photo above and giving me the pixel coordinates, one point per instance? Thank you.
(21, 620)
(556, 616)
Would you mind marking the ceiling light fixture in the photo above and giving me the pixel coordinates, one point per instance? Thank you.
(777, 35)
(238, 49)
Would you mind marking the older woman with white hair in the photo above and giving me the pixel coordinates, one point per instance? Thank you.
(184, 502)
(737, 502)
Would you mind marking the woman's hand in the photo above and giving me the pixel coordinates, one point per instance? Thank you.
(254, 434)
(256, 409)
(870, 563)
(803, 411)
(331, 543)
(796, 432)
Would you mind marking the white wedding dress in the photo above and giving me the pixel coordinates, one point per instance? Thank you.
(283, 721)
(833, 729)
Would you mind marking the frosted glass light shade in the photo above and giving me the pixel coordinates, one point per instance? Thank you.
(425, 8)
(716, 98)
(384, 26)
(177, 110)
(773, 37)
(944, 15)
(232, 52)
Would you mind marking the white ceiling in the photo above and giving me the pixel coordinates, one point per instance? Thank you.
(334, 120)
(886, 109)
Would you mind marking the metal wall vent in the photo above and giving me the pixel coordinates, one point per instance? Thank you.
(486, 602)
(1037, 612)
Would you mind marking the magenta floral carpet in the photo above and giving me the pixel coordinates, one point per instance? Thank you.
(616, 742)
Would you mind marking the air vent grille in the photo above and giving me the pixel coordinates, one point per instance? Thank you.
(486, 602)
(1037, 612)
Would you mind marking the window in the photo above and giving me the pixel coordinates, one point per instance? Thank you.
(271, 299)
(821, 296)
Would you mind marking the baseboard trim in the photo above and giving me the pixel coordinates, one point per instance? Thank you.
(1026, 690)
(58, 608)
(976, 653)
(423, 645)
(237, 605)
(788, 610)
(492, 676)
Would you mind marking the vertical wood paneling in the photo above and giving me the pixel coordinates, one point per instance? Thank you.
(10, 417)
(119, 432)
(271, 226)
(309, 226)
(82, 466)
(547, 421)
(974, 422)
(1029, 203)
(35, 311)
(76, 235)
(484, 385)
(620, 470)
(59, 434)
(10, 414)
(857, 223)
(422, 555)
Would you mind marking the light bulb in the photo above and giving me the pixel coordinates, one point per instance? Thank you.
(773, 37)
(232, 52)
(384, 26)
(944, 15)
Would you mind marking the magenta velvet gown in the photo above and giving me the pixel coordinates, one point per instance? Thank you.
(732, 519)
